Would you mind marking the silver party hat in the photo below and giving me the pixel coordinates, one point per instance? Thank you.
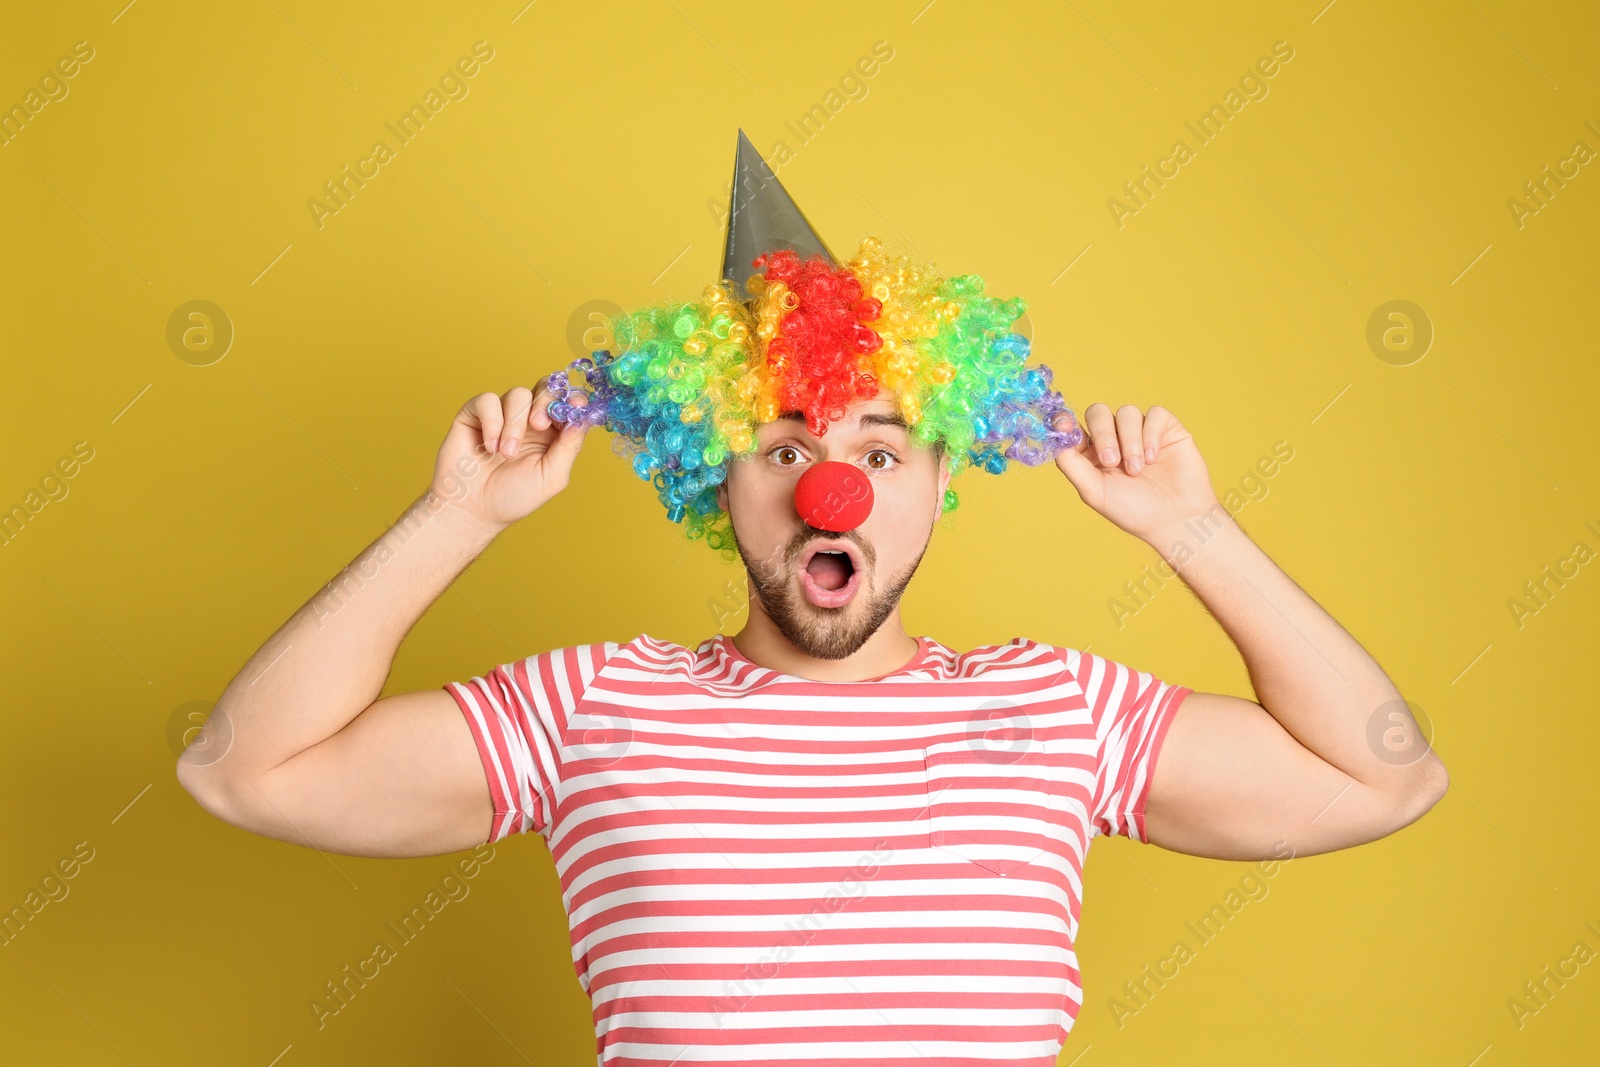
(762, 218)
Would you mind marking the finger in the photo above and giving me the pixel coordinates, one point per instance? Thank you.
(483, 411)
(561, 454)
(538, 417)
(1102, 438)
(1130, 436)
(1156, 424)
(515, 405)
(1079, 467)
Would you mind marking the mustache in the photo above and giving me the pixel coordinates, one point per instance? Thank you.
(809, 535)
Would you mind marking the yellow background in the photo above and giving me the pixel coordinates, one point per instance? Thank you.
(1418, 501)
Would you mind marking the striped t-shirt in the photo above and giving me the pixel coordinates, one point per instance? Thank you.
(762, 869)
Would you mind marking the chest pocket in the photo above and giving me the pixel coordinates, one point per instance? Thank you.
(991, 807)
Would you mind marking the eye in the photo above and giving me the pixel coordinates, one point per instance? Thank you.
(785, 455)
(881, 459)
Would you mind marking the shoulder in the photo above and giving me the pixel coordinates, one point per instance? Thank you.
(1019, 658)
(1094, 675)
(569, 668)
(642, 655)
(652, 653)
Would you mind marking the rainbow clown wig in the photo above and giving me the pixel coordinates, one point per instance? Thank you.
(691, 382)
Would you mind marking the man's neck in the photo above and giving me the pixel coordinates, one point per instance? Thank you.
(888, 650)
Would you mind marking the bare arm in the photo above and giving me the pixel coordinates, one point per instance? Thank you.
(1314, 763)
(299, 747)
(1326, 757)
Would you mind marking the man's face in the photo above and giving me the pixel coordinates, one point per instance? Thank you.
(908, 485)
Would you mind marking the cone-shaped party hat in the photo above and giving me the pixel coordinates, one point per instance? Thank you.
(762, 218)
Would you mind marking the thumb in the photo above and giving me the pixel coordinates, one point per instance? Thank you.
(563, 452)
(1081, 471)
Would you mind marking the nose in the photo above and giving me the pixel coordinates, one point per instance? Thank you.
(834, 496)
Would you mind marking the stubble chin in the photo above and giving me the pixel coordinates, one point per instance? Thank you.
(825, 633)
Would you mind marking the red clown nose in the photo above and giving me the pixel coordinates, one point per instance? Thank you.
(834, 496)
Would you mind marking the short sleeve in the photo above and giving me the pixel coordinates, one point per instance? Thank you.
(518, 714)
(1131, 711)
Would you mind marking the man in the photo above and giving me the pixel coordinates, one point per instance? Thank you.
(822, 838)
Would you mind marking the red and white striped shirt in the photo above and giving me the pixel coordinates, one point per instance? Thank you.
(760, 868)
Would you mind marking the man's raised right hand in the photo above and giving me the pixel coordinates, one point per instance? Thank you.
(503, 457)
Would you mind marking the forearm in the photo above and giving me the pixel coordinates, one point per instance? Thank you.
(1308, 672)
(329, 662)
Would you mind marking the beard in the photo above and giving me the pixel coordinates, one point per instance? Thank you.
(825, 633)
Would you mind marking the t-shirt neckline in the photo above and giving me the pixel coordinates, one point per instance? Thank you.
(725, 646)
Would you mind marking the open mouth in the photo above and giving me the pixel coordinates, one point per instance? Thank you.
(830, 574)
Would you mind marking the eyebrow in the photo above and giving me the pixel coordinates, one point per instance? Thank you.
(868, 418)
